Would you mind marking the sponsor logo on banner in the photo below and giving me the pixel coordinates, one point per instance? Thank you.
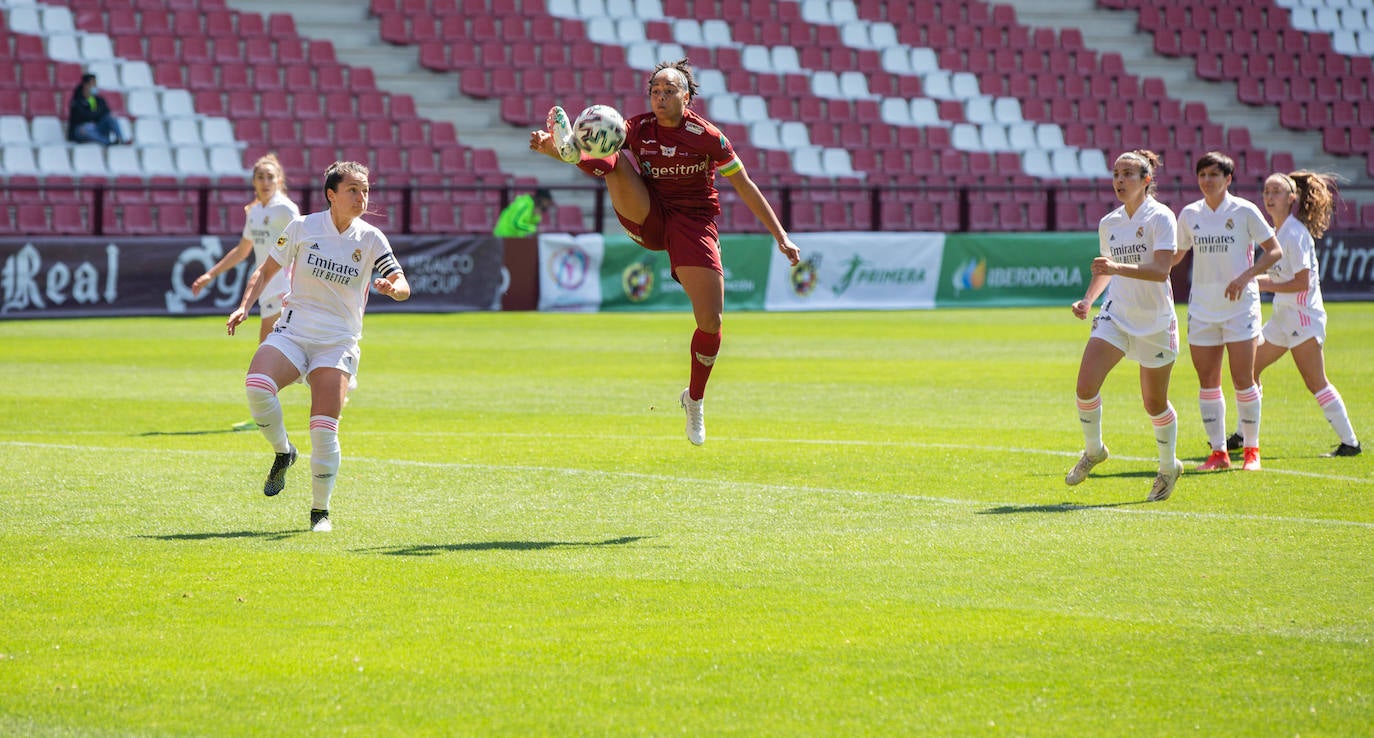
(30, 282)
(1013, 269)
(570, 271)
(857, 271)
(637, 280)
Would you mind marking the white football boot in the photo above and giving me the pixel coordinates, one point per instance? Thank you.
(561, 129)
(696, 418)
(1085, 464)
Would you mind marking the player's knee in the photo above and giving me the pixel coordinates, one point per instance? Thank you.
(260, 387)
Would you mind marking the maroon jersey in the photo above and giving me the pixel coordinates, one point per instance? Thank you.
(679, 164)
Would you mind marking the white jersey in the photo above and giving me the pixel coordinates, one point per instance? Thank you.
(262, 226)
(331, 274)
(1223, 243)
(1139, 307)
(1299, 253)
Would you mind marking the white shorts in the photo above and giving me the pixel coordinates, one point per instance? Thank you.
(307, 356)
(1243, 327)
(270, 305)
(1150, 351)
(1290, 327)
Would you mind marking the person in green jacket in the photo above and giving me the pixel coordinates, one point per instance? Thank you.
(521, 218)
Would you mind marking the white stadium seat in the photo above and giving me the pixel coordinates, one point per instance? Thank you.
(14, 131)
(620, 8)
(122, 161)
(924, 112)
(854, 86)
(1064, 162)
(965, 137)
(895, 111)
(1093, 163)
(757, 59)
(89, 160)
(763, 134)
(57, 20)
(157, 161)
(994, 137)
(1007, 110)
(143, 104)
(1021, 136)
(642, 55)
(226, 161)
(1049, 136)
(793, 134)
(716, 33)
(924, 60)
(896, 60)
(724, 108)
(979, 110)
(855, 35)
(843, 11)
(183, 132)
(836, 163)
(63, 47)
(191, 161)
(785, 59)
(687, 31)
(629, 30)
(1036, 163)
(591, 8)
(19, 160)
(649, 9)
(96, 47)
(26, 21)
(711, 82)
(135, 75)
(807, 162)
(826, 84)
(55, 160)
(177, 104)
(149, 132)
(217, 132)
(752, 107)
(48, 129)
(602, 31)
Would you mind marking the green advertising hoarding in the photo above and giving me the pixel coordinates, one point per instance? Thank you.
(1015, 269)
(635, 278)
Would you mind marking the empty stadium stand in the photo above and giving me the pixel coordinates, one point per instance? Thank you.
(948, 114)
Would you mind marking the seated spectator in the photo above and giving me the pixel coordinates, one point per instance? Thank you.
(89, 120)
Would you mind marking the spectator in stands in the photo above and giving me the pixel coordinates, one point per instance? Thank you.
(265, 218)
(668, 202)
(522, 216)
(1300, 204)
(89, 119)
(1136, 321)
(1223, 305)
(332, 256)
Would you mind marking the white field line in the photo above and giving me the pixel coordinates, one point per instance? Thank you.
(766, 487)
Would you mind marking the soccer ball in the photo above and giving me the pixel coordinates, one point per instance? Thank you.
(599, 131)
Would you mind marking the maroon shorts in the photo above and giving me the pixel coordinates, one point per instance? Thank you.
(691, 239)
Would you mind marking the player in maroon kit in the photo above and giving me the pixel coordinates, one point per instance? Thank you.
(667, 202)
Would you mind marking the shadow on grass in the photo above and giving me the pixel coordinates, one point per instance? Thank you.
(216, 431)
(266, 535)
(433, 549)
(1062, 507)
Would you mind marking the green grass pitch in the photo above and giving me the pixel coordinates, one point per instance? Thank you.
(875, 540)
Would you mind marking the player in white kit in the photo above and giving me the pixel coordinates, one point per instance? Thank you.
(1301, 204)
(331, 256)
(1137, 319)
(1222, 231)
(266, 217)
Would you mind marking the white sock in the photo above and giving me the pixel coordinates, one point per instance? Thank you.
(324, 459)
(1166, 436)
(1248, 408)
(1212, 404)
(1333, 407)
(266, 410)
(1090, 417)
